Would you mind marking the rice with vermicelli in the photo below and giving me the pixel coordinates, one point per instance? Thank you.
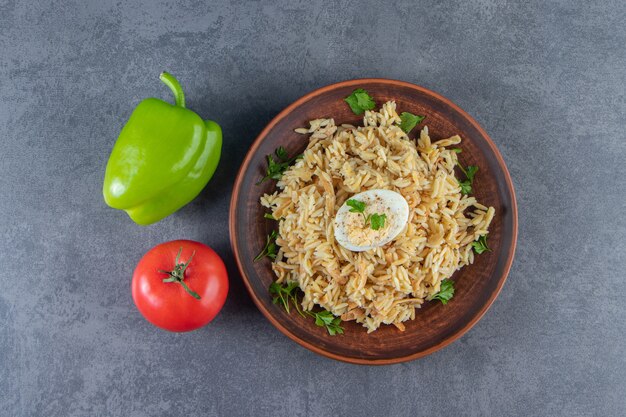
(385, 284)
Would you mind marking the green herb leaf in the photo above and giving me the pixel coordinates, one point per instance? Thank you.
(335, 327)
(480, 245)
(269, 216)
(457, 150)
(356, 206)
(359, 101)
(281, 153)
(271, 249)
(276, 168)
(283, 294)
(377, 221)
(408, 121)
(446, 292)
(470, 172)
(326, 319)
(466, 187)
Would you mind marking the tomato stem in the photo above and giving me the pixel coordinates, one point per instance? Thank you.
(178, 273)
(189, 290)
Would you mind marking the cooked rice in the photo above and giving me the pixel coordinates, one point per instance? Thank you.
(386, 284)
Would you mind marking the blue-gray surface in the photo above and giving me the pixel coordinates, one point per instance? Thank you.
(546, 80)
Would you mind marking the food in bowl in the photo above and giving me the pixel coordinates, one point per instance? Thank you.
(343, 238)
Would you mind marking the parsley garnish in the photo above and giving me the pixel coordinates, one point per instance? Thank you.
(375, 220)
(470, 172)
(282, 294)
(457, 150)
(466, 187)
(356, 206)
(480, 245)
(281, 153)
(446, 292)
(269, 216)
(276, 168)
(270, 250)
(326, 319)
(408, 121)
(359, 101)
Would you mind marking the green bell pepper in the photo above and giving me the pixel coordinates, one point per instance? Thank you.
(163, 158)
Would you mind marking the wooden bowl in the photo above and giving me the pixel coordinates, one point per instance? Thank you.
(435, 325)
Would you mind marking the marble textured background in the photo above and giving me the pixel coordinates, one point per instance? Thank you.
(546, 79)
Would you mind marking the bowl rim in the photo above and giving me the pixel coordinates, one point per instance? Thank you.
(235, 197)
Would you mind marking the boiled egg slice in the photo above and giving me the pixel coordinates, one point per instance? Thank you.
(359, 217)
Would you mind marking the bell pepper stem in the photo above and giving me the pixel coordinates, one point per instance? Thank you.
(173, 84)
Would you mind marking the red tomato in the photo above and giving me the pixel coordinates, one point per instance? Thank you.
(169, 305)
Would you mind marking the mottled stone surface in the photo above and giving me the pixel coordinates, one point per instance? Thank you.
(546, 80)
